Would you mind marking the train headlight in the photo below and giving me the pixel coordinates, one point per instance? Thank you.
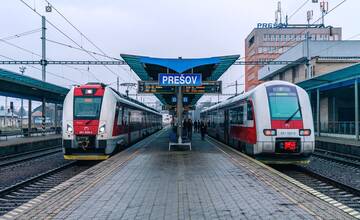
(69, 128)
(304, 132)
(102, 129)
(270, 132)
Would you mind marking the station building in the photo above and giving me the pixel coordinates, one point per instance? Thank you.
(267, 42)
(330, 72)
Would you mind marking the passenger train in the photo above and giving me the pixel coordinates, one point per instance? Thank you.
(272, 122)
(97, 121)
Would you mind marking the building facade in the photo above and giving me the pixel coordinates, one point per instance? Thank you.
(267, 44)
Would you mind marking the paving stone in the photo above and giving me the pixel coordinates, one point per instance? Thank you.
(180, 184)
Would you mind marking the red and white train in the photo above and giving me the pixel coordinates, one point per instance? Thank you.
(97, 121)
(273, 123)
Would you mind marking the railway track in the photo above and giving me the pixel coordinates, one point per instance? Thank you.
(340, 192)
(338, 157)
(21, 157)
(18, 194)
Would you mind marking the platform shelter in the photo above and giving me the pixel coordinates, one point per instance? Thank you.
(162, 77)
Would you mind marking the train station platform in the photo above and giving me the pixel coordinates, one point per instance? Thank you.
(24, 144)
(147, 181)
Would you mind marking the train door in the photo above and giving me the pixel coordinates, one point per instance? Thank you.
(226, 126)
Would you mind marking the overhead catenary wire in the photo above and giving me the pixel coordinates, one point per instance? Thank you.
(22, 34)
(81, 49)
(83, 35)
(38, 55)
(68, 37)
(51, 73)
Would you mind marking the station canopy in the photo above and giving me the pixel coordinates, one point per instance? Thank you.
(148, 69)
(338, 78)
(19, 86)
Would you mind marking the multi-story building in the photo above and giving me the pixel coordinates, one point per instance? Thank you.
(267, 42)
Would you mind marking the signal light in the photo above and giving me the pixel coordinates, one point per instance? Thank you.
(269, 132)
(304, 132)
(88, 91)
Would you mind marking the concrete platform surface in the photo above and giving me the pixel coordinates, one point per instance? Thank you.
(147, 181)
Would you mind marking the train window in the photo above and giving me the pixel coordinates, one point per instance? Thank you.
(120, 115)
(241, 115)
(284, 103)
(236, 115)
(126, 116)
(87, 107)
(249, 112)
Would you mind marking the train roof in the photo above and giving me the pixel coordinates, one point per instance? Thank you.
(135, 103)
(123, 97)
(233, 99)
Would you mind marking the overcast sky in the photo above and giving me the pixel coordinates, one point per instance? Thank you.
(160, 28)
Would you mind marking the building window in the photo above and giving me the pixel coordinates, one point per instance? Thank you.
(281, 76)
(312, 71)
(251, 41)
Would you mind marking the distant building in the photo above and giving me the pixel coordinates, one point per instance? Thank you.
(8, 119)
(268, 42)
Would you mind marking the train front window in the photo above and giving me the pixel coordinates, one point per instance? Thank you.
(87, 107)
(284, 103)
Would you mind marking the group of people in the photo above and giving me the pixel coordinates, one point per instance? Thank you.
(199, 126)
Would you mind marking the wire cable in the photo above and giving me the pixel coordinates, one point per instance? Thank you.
(68, 37)
(51, 73)
(83, 35)
(21, 34)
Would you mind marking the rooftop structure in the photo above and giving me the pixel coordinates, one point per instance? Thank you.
(266, 43)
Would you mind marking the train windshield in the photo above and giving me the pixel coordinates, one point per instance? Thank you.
(284, 103)
(87, 107)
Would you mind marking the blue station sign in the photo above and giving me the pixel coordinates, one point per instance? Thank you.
(180, 79)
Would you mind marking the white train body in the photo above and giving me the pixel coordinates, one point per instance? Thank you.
(97, 121)
(273, 122)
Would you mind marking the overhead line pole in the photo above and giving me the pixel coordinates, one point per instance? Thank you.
(43, 67)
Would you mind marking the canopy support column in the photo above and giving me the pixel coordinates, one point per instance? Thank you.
(29, 118)
(179, 111)
(318, 111)
(356, 109)
(43, 110)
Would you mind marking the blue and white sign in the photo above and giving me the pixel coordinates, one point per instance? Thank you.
(177, 79)
(271, 25)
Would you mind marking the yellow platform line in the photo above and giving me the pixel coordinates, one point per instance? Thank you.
(86, 157)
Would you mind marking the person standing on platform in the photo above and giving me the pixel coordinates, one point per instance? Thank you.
(189, 128)
(195, 126)
(203, 130)
(184, 127)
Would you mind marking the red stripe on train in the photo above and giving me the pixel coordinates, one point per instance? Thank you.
(86, 127)
(245, 134)
(293, 124)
